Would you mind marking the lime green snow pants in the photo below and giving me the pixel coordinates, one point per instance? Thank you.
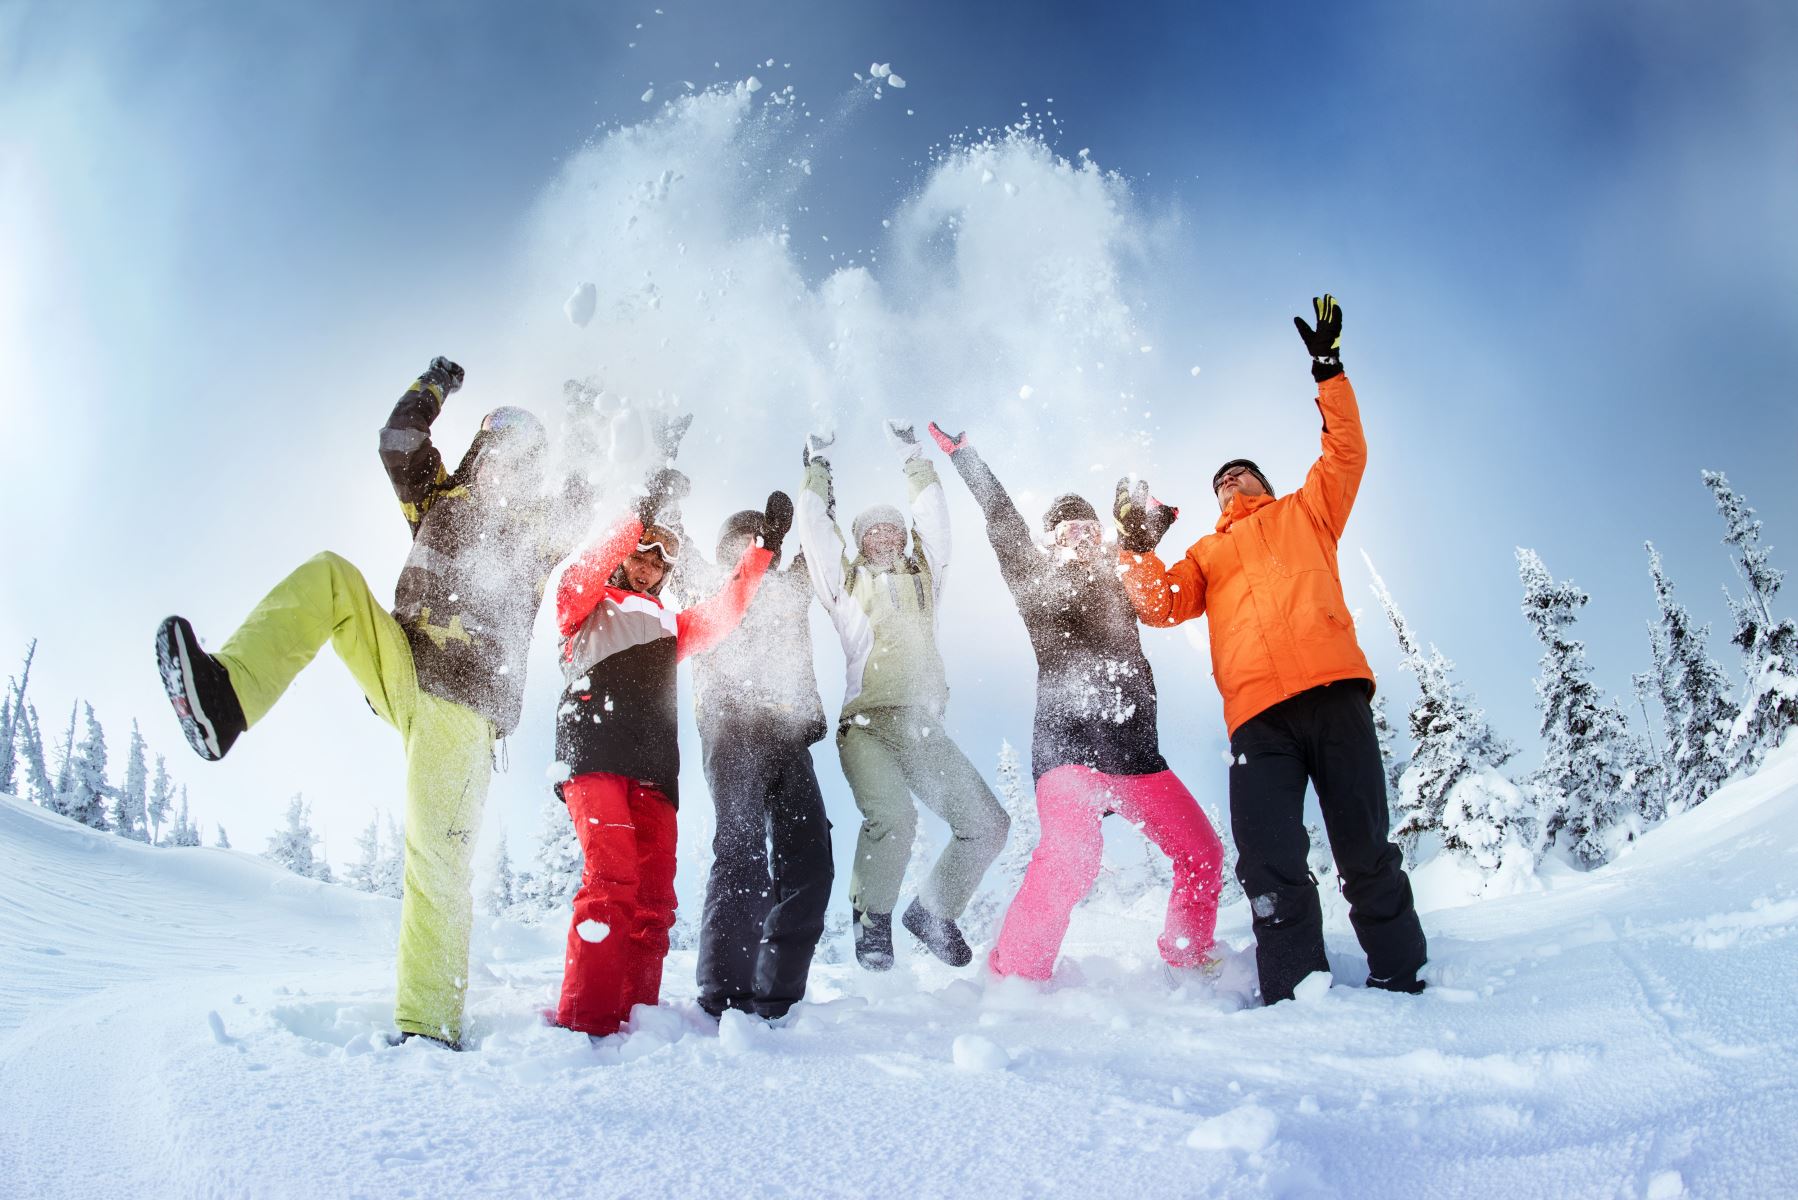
(889, 755)
(448, 764)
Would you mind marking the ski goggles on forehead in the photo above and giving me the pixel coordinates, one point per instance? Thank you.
(1079, 529)
(663, 543)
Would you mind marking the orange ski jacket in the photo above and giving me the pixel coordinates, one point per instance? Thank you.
(1268, 579)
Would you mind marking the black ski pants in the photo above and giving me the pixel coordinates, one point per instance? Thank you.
(1326, 735)
(764, 912)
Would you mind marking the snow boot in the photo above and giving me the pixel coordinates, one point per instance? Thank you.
(941, 936)
(200, 690)
(402, 1036)
(874, 940)
(1410, 985)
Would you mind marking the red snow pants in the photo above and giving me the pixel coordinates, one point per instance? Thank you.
(1071, 801)
(625, 905)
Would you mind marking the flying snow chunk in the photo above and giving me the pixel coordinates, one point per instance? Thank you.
(1312, 988)
(581, 305)
(1025, 392)
(752, 84)
(1249, 1129)
(593, 931)
(1195, 372)
(971, 1052)
(880, 70)
(648, 95)
(986, 175)
(894, 80)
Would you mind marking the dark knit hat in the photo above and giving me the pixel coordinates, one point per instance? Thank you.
(1068, 507)
(1217, 476)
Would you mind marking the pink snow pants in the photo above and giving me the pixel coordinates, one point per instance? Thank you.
(1071, 801)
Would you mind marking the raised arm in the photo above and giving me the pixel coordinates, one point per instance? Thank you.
(704, 625)
(1335, 478)
(820, 541)
(1020, 562)
(929, 504)
(1160, 595)
(413, 465)
(584, 579)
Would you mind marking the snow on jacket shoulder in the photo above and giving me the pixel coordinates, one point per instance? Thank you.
(619, 653)
(1267, 578)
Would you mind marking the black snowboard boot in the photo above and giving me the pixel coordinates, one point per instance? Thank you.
(200, 690)
(874, 940)
(939, 934)
(1410, 984)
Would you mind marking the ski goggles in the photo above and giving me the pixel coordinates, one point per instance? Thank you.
(662, 541)
(1077, 531)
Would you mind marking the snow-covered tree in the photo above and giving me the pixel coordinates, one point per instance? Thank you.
(293, 846)
(184, 833)
(1769, 705)
(547, 890)
(500, 894)
(361, 873)
(1231, 891)
(31, 750)
(130, 800)
(85, 798)
(1694, 695)
(1387, 734)
(224, 842)
(833, 945)
(987, 910)
(390, 877)
(1451, 789)
(162, 794)
(65, 767)
(1597, 782)
(12, 719)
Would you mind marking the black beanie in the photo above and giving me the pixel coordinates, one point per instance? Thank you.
(1218, 475)
(748, 522)
(1068, 507)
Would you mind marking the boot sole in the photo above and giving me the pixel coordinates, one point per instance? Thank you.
(175, 662)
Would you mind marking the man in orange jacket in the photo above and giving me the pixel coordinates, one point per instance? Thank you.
(1296, 688)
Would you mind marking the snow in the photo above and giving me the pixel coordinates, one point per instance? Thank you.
(581, 305)
(1619, 1032)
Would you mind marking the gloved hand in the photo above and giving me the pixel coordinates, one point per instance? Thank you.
(903, 438)
(777, 519)
(445, 375)
(665, 490)
(669, 433)
(948, 445)
(817, 446)
(1325, 342)
(1141, 519)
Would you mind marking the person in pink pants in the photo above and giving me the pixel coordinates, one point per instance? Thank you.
(1094, 748)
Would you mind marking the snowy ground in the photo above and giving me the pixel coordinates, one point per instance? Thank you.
(196, 1022)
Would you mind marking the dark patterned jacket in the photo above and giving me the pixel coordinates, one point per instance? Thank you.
(1095, 693)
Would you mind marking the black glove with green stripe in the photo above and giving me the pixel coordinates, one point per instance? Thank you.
(1324, 342)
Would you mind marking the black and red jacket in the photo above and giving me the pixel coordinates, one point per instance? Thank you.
(619, 651)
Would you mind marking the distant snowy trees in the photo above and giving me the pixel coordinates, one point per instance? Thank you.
(293, 845)
(381, 863)
(1693, 691)
(1769, 644)
(980, 923)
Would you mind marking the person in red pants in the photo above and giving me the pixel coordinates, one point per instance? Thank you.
(616, 732)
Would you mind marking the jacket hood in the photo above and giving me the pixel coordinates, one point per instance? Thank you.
(1239, 507)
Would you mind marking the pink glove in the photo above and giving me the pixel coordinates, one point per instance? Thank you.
(948, 445)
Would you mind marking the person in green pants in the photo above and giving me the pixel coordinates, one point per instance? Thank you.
(883, 603)
(446, 668)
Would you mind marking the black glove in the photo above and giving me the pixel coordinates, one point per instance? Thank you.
(1324, 342)
(1141, 519)
(669, 433)
(666, 487)
(777, 518)
(444, 374)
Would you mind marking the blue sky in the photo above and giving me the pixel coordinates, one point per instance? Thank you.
(1561, 233)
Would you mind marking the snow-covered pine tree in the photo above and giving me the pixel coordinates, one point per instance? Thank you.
(1694, 695)
(1388, 736)
(37, 773)
(987, 910)
(500, 897)
(1597, 781)
(1451, 789)
(548, 890)
(1769, 647)
(65, 768)
(12, 720)
(361, 873)
(832, 944)
(390, 877)
(85, 799)
(162, 794)
(130, 800)
(224, 842)
(1231, 891)
(293, 846)
(184, 833)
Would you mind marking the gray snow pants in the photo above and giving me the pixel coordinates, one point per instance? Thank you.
(889, 755)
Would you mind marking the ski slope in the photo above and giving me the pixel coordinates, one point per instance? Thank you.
(199, 1023)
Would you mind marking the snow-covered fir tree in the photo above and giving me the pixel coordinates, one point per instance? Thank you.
(1694, 694)
(1451, 791)
(547, 890)
(65, 765)
(500, 894)
(987, 910)
(1387, 734)
(162, 795)
(37, 785)
(12, 719)
(294, 845)
(224, 841)
(85, 796)
(1597, 781)
(184, 833)
(834, 943)
(1769, 702)
(130, 800)
(1231, 891)
(390, 876)
(361, 873)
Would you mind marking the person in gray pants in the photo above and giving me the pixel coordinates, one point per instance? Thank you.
(883, 603)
